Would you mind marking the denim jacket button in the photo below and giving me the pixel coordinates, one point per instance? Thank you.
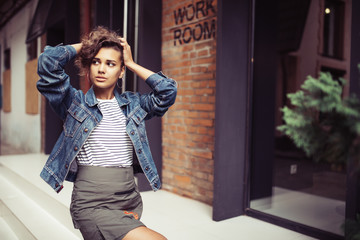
(147, 168)
(56, 184)
(86, 130)
(132, 132)
(66, 166)
(75, 148)
(139, 151)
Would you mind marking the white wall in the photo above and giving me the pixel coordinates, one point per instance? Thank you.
(19, 129)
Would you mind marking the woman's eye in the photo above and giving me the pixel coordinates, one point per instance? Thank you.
(95, 62)
(111, 64)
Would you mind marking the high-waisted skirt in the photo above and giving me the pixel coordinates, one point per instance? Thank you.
(106, 203)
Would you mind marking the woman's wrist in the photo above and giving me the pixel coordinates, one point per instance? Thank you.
(77, 47)
(139, 70)
(131, 66)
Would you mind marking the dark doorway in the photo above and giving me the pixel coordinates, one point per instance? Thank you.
(61, 29)
(53, 124)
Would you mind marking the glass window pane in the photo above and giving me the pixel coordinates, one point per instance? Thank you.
(285, 182)
(333, 29)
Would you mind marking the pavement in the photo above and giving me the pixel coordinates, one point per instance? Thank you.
(174, 216)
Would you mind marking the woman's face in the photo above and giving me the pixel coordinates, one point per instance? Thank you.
(105, 70)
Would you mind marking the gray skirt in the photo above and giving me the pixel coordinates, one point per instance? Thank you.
(106, 203)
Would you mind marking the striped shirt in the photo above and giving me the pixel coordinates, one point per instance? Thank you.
(108, 144)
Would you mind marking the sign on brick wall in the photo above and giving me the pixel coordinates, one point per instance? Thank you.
(194, 22)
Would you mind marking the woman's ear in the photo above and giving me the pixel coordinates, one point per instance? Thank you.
(122, 72)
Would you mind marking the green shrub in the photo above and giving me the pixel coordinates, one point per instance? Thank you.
(321, 122)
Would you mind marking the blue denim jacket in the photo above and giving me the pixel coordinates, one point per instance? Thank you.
(81, 114)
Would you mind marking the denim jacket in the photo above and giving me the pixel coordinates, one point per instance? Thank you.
(80, 114)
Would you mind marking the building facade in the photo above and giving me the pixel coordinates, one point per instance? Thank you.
(234, 61)
(20, 121)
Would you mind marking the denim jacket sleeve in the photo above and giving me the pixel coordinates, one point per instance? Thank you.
(54, 83)
(161, 98)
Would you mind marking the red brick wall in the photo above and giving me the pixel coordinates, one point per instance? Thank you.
(189, 56)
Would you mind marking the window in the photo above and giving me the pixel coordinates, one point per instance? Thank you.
(31, 93)
(7, 59)
(32, 50)
(286, 186)
(333, 29)
(7, 82)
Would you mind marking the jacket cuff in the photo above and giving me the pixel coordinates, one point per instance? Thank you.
(154, 79)
(71, 50)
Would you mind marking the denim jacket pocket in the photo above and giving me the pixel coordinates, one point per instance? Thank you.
(76, 115)
(138, 115)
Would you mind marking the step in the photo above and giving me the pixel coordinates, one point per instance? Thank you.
(5, 231)
(11, 226)
(43, 212)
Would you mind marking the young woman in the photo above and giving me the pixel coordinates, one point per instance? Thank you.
(102, 129)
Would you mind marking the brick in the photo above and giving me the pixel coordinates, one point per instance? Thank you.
(204, 122)
(205, 184)
(179, 64)
(184, 85)
(204, 91)
(204, 60)
(202, 138)
(182, 179)
(203, 53)
(211, 67)
(185, 70)
(195, 99)
(186, 92)
(203, 154)
(198, 69)
(203, 107)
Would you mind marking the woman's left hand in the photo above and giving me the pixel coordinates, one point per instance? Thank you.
(128, 59)
(129, 62)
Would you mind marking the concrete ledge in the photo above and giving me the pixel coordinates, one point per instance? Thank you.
(14, 224)
(27, 201)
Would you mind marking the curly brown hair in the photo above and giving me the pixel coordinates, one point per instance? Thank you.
(91, 44)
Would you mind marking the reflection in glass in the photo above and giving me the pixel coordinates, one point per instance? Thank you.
(298, 189)
(333, 29)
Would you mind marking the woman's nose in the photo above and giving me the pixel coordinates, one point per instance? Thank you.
(101, 68)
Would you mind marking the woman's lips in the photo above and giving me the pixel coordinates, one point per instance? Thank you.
(100, 79)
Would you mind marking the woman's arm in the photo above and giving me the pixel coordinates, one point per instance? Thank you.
(54, 83)
(142, 72)
(162, 97)
(164, 89)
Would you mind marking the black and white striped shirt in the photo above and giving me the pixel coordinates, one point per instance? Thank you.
(108, 144)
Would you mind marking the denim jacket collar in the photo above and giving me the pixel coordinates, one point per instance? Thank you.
(91, 100)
